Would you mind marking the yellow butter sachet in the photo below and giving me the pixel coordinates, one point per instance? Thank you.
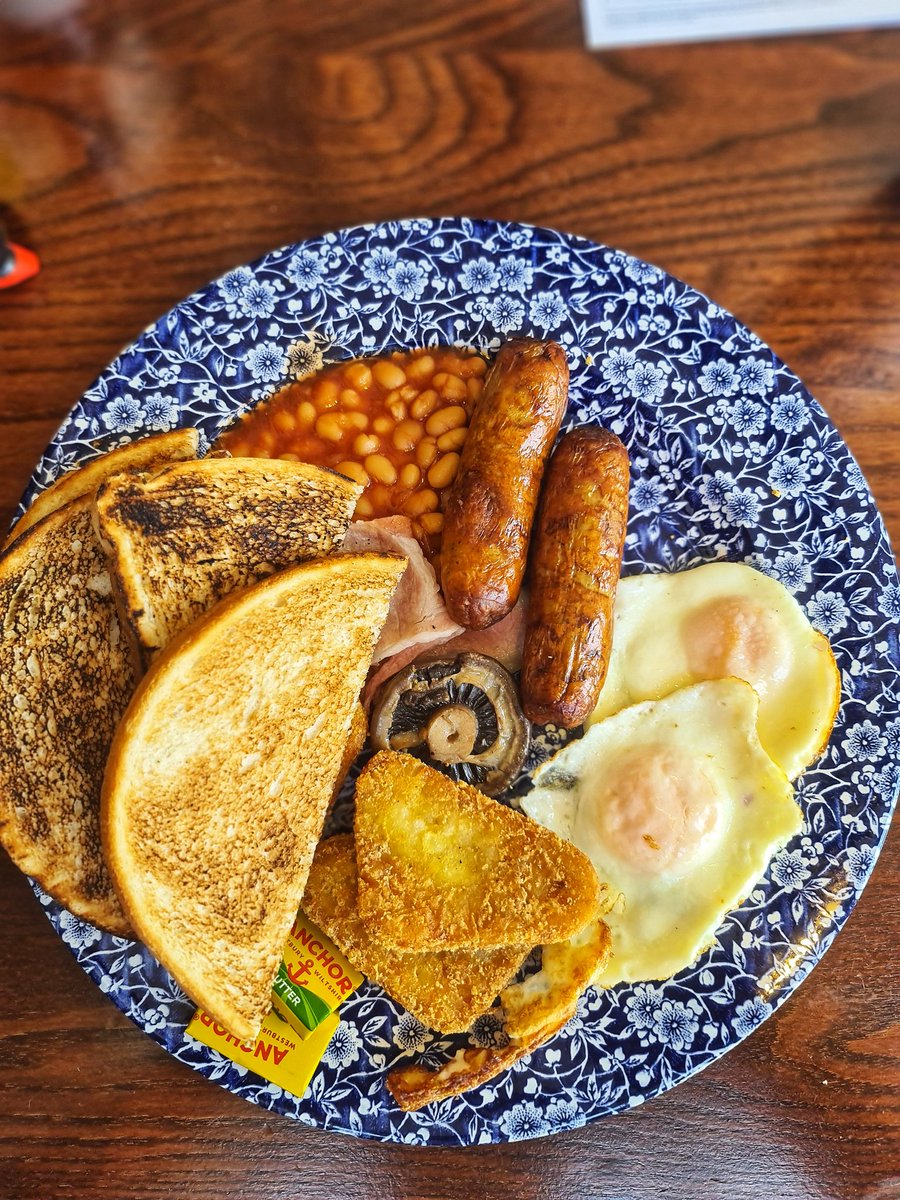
(279, 1054)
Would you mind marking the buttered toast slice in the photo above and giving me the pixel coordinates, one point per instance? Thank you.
(184, 538)
(443, 867)
(143, 455)
(65, 680)
(222, 770)
(445, 989)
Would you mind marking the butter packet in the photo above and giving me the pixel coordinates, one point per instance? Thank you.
(313, 979)
(279, 1054)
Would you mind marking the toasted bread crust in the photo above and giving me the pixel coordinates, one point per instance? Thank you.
(65, 680)
(443, 867)
(223, 767)
(140, 455)
(184, 538)
(446, 990)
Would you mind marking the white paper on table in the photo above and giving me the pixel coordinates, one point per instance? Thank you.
(638, 22)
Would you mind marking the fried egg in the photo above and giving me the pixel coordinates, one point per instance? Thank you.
(725, 619)
(680, 809)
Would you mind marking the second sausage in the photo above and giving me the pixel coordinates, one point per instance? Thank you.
(576, 557)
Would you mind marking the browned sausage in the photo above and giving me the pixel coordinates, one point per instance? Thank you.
(489, 510)
(576, 558)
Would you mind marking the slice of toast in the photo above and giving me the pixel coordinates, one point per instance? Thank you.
(443, 867)
(145, 454)
(222, 769)
(182, 539)
(65, 680)
(446, 989)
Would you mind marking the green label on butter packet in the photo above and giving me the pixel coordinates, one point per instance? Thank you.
(313, 979)
(305, 1005)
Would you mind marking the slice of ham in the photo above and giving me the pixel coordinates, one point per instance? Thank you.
(417, 616)
(418, 619)
(502, 641)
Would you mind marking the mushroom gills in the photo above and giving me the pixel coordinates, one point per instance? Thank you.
(460, 714)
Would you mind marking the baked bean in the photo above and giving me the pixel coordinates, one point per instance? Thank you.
(289, 456)
(383, 425)
(453, 388)
(432, 522)
(426, 452)
(364, 508)
(380, 468)
(420, 368)
(357, 420)
(388, 374)
(380, 495)
(365, 444)
(306, 413)
(426, 402)
(329, 428)
(284, 421)
(409, 392)
(326, 394)
(453, 439)
(397, 409)
(407, 434)
(444, 471)
(359, 375)
(350, 399)
(474, 388)
(421, 502)
(410, 476)
(353, 470)
(445, 419)
(476, 365)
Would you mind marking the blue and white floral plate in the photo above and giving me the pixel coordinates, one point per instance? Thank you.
(731, 458)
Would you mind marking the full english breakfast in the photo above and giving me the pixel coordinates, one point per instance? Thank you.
(195, 650)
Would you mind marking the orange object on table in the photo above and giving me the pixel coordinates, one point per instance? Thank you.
(17, 264)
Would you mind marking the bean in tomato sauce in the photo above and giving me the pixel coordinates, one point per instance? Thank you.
(395, 424)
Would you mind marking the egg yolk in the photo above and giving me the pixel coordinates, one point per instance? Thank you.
(659, 811)
(733, 636)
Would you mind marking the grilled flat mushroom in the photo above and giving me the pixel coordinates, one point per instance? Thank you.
(460, 713)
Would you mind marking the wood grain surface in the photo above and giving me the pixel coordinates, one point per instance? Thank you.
(144, 149)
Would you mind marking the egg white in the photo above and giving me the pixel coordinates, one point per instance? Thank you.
(680, 809)
(725, 619)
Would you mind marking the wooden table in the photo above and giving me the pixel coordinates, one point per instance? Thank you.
(146, 148)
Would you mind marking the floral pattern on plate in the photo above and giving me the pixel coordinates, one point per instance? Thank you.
(731, 458)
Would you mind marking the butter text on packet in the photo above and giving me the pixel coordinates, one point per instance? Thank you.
(313, 979)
